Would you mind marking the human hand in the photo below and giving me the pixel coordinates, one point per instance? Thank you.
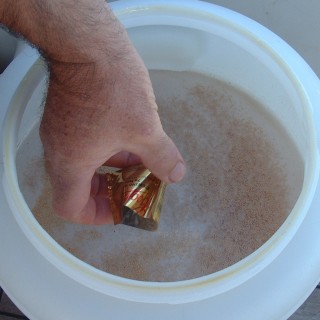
(100, 104)
(101, 108)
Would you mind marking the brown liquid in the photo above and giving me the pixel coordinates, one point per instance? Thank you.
(244, 176)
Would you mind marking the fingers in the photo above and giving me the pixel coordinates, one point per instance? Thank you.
(78, 196)
(160, 155)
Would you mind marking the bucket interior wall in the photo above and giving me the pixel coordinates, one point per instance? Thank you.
(239, 63)
(242, 63)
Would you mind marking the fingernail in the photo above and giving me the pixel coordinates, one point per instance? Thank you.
(178, 172)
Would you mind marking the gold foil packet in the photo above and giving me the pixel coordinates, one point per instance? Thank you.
(136, 197)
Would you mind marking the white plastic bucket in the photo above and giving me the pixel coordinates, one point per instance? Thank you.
(188, 36)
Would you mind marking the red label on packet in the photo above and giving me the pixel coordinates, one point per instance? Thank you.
(136, 197)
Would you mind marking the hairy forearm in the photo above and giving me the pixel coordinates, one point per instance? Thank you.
(76, 37)
(65, 30)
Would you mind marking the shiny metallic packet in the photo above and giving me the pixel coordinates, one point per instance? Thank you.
(136, 197)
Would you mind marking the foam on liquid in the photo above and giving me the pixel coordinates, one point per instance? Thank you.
(244, 176)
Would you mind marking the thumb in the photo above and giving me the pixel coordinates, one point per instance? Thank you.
(162, 158)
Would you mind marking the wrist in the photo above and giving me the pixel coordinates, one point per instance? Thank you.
(71, 31)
